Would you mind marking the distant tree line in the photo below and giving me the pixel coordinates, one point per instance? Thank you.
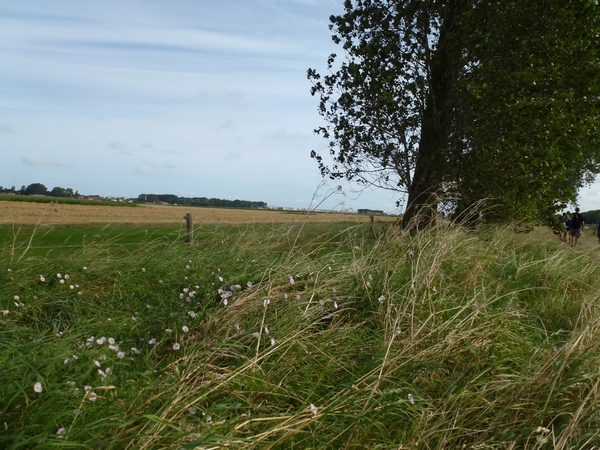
(172, 199)
(40, 189)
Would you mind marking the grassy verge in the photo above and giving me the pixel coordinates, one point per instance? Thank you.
(283, 336)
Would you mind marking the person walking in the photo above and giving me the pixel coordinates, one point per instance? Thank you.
(577, 226)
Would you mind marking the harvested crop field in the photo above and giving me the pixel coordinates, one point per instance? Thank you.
(44, 213)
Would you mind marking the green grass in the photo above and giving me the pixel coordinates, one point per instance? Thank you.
(449, 339)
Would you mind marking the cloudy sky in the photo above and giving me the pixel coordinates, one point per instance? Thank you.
(194, 98)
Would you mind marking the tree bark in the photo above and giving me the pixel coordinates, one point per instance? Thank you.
(423, 193)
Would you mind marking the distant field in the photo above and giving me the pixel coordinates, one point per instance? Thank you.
(52, 214)
(63, 200)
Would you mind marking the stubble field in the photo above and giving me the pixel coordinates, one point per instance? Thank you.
(40, 213)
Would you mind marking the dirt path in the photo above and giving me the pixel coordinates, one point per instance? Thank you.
(54, 214)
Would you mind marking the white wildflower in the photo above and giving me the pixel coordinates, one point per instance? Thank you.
(185, 329)
(143, 269)
(313, 409)
(192, 314)
(292, 281)
(382, 299)
(411, 399)
(176, 346)
(152, 341)
(92, 397)
(61, 430)
(58, 275)
(111, 341)
(266, 302)
(266, 329)
(62, 281)
(97, 363)
(42, 278)
(249, 284)
(135, 351)
(101, 341)
(16, 297)
(120, 355)
(272, 342)
(37, 387)
(192, 411)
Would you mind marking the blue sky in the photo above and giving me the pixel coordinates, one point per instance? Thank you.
(194, 98)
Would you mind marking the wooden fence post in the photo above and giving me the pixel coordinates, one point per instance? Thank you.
(189, 220)
(373, 226)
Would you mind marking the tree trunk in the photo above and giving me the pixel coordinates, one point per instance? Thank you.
(446, 60)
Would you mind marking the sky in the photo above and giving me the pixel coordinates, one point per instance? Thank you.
(198, 98)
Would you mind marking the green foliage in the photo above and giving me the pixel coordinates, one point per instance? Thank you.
(65, 200)
(479, 101)
(199, 201)
(297, 336)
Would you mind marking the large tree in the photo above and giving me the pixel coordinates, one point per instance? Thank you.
(474, 100)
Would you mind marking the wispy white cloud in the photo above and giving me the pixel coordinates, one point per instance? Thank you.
(6, 129)
(284, 136)
(37, 159)
(145, 170)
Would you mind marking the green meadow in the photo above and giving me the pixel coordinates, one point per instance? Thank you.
(288, 336)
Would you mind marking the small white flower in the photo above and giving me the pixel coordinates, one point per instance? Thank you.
(114, 348)
(16, 297)
(192, 411)
(266, 302)
(249, 284)
(292, 280)
(9, 270)
(58, 275)
(111, 341)
(62, 281)
(85, 268)
(368, 284)
(143, 269)
(67, 361)
(168, 330)
(101, 341)
(187, 267)
(61, 430)
(87, 388)
(266, 329)
(66, 276)
(313, 409)
(5, 311)
(335, 305)
(221, 279)
(176, 346)
(543, 430)
(152, 341)
(135, 350)
(181, 296)
(120, 355)
(434, 290)
(102, 373)
(285, 296)
(382, 299)
(192, 314)
(71, 287)
(92, 397)
(37, 387)
(80, 293)
(185, 329)
(272, 342)
(97, 363)
(108, 370)
(411, 399)
(225, 302)
(42, 279)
